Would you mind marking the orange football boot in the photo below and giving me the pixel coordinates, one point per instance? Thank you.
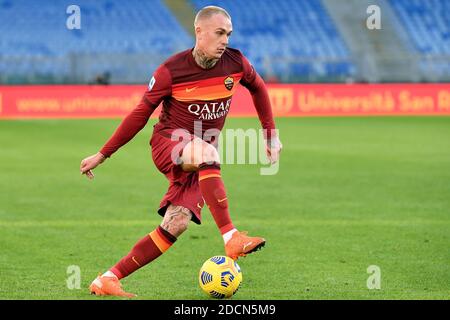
(108, 286)
(240, 245)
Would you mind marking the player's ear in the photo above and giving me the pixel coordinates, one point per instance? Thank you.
(198, 31)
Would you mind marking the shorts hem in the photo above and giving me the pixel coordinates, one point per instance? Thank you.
(196, 217)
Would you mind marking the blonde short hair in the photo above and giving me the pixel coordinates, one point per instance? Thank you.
(208, 12)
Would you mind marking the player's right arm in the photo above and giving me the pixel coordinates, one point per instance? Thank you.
(255, 84)
(160, 86)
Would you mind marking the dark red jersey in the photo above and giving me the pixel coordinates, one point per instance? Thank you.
(191, 95)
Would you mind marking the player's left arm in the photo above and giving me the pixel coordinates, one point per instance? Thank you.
(255, 84)
(159, 87)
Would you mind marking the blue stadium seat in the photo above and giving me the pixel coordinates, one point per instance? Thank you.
(31, 29)
(427, 23)
(299, 35)
(295, 40)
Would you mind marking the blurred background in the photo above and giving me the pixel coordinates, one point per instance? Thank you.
(288, 41)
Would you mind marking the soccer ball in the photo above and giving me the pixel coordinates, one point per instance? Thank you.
(220, 277)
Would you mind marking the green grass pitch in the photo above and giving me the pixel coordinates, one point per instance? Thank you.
(350, 193)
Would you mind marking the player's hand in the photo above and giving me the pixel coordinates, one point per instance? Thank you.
(273, 149)
(90, 163)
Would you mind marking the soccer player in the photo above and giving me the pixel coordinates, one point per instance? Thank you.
(195, 86)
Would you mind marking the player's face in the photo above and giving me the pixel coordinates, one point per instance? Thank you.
(214, 34)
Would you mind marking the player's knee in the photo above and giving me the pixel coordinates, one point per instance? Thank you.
(210, 154)
(197, 152)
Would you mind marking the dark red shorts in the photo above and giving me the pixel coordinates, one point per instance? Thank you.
(184, 189)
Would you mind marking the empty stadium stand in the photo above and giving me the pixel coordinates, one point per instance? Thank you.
(128, 39)
(286, 40)
(295, 40)
(428, 27)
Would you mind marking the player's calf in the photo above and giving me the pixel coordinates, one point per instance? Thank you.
(143, 252)
(203, 157)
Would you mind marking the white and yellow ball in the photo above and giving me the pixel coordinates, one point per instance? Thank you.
(220, 277)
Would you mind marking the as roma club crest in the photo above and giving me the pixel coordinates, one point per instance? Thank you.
(229, 83)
